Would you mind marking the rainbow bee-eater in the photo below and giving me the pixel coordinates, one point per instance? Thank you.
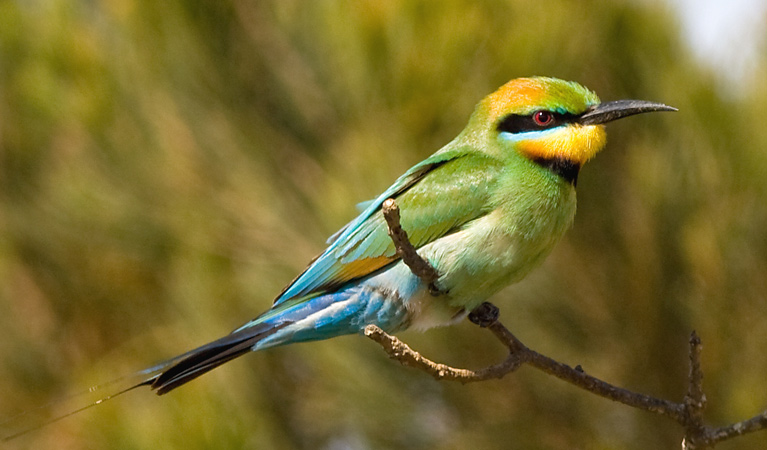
(484, 210)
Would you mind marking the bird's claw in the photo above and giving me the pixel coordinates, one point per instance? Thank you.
(485, 314)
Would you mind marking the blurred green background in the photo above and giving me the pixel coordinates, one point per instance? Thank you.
(166, 167)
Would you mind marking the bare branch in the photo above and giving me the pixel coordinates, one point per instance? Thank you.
(689, 413)
(405, 250)
(756, 423)
(578, 377)
(695, 400)
(400, 351)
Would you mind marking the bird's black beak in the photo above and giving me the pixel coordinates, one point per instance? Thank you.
(609, 111)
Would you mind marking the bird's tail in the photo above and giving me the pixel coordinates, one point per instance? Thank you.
(307, 319)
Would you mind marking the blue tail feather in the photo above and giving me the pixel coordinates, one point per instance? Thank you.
(342, 312)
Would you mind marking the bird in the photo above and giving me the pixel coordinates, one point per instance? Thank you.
(483, 211)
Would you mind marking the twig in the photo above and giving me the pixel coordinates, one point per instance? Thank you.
(689, 413)
(402, 352)
(405, 250)
(695, 400)
(756, 423)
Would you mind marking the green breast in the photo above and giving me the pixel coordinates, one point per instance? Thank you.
(531, 210)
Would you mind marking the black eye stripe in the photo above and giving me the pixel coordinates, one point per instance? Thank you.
(515, 123)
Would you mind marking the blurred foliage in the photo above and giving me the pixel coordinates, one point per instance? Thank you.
(166, 167)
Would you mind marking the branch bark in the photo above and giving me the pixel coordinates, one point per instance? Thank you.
(688, 413)
(405, 250)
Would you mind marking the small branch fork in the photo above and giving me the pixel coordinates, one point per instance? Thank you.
(689, 413)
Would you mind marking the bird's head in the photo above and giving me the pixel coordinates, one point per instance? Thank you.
(555, 123)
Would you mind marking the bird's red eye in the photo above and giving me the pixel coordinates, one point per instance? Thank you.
(543, 118)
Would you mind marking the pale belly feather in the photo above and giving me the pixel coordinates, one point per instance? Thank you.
(486, 256)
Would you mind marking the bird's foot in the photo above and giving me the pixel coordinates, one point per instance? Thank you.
(485, 314)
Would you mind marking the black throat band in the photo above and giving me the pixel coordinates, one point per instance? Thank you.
(563, 167)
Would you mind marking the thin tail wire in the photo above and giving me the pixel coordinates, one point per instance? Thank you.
(161, 378)
(55, 419)
(29, 420)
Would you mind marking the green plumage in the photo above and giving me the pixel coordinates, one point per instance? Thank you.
(484, 211)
